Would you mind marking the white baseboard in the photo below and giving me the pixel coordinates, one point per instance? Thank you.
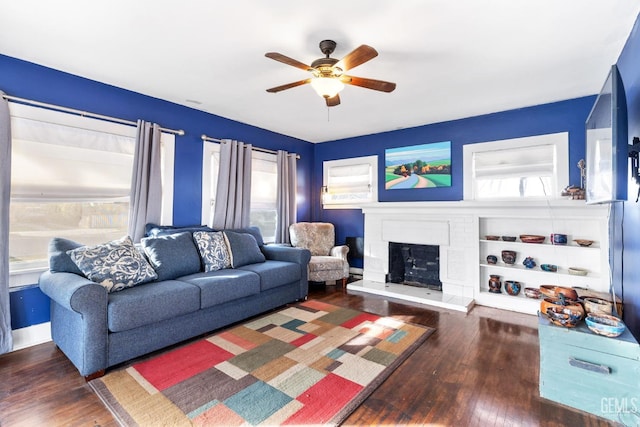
(31, 335)
(355, 271)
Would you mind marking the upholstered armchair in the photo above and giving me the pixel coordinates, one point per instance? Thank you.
(328, 262)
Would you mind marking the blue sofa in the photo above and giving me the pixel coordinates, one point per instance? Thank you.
(97, 329)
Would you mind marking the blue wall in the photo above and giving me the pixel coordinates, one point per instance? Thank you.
(27, 80)
(566, 116)
(626, 216)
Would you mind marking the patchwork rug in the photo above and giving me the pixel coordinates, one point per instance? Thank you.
(309, 363)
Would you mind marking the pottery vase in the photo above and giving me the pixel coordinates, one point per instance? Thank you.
(495, 284)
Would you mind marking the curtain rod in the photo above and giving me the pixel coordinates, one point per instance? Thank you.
(262, 150)
(82, 113)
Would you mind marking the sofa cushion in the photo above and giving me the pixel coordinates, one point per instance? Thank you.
(254, 231)
(243, 249)
(115, 265)
(274, 273)
(221, 286)
(213, 250)
(151, 303)
(59, 260)
(172, 255)
(153, 230)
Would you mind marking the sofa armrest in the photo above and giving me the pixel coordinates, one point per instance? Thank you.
(73, 292)
(287, 253)
(78, 319)
(340, 251)
(290, 254)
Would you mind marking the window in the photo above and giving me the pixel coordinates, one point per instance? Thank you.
(70, 177)
(264, 185)
(522, 168)
(348, 183)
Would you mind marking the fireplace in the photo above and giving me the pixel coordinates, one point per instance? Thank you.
(414, 265)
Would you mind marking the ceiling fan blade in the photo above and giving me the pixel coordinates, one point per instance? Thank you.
(286, 60)
(288, 86)
(368, 83)
(358, 56)
(333, 101)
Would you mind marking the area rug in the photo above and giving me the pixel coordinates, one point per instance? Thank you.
(311, 363)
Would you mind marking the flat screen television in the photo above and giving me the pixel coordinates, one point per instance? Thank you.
(607, 148)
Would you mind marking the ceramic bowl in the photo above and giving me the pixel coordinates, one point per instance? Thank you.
(492, 259)
(583, 242)
(603, 324)
(489, 237)
(558, 239)
(509, 238)
(548, 290)
(532, 238)
(560, 316)
(593, 305)
(567, 293)
(552, 268)
(533, 293)
(578, 271)
(509, 257)
(571, 307)
(512, 287)
(529, 262)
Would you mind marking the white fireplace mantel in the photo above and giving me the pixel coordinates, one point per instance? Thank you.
(456, 228)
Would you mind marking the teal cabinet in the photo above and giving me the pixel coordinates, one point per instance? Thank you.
(590, 372)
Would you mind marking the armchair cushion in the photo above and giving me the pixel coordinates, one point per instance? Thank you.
(318, 237)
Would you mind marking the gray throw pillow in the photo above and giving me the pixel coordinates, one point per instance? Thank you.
(213, 250)
(173, 255)
(115, 265)
(243, 249)
(59, 261)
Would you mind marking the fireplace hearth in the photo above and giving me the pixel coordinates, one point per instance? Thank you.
(414, 265)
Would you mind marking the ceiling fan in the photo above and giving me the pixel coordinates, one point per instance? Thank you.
(328, 73)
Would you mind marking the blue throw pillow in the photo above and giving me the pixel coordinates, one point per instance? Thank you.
(243, 249)
(59, 261)
(115, 265)
(173, 255)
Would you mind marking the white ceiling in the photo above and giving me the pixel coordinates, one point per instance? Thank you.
(450, 59)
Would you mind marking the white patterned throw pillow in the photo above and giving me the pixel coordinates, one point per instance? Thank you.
(116, 265)
(213, 250)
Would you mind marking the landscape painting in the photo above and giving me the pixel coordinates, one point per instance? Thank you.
(418, 166)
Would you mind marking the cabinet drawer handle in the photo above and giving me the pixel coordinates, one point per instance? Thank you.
(601, 369)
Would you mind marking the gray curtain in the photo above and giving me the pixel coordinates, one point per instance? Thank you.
(286, 195)
(146, 181)
(233, 194)
(6, 339)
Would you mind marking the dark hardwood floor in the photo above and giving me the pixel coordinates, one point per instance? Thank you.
(477, 369)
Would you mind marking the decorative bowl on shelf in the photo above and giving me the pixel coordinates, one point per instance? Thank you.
(491, 237)
(597, 306)
(509, 238)
(492, 259)
(531, 238)
(604, 324)
(529, 262)
(578, 271)
(533, 293)
(552, 268)
(583, 242)
(512, 287)
(558, 239)
(509, 257)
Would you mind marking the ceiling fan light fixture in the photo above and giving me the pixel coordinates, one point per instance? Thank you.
(327, 87)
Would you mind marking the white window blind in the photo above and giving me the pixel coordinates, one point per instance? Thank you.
(529, 167)
(349, 181)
